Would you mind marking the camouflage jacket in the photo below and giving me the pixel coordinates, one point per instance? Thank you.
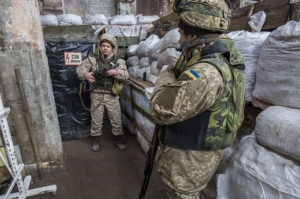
(89, 65)
(204, 120)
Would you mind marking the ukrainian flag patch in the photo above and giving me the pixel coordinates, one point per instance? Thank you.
(192, 74)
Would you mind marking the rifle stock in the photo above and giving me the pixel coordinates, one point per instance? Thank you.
(150, 161)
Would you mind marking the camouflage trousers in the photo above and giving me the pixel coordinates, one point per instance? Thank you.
(187, 172)
(111, 103)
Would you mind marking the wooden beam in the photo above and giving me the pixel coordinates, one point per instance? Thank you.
(262, 5)
(274, 18)
(173, 17)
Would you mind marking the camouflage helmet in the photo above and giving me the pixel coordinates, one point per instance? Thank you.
(213, 15)
(111, 39)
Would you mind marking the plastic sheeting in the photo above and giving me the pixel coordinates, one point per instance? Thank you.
(278, 69)
(279, 129)
(257, 172)
(74, 120)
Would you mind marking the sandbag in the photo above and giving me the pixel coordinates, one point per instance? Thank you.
(154, 52)
(278, 128)
(49, 20)
(249, 44)
(132, 50)
(168, 57)
(125, 20)
(146, 19)
(257, 172)
(69, 19)
(97, 19)
(170, 40)
(144, 62)
(145, 46)
(133, 61)
(278, 69)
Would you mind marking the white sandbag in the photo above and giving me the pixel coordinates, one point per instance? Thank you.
(146, 19)
(144, 62)
(133, 61)
(278, 128)
(127, 106)
(142, 141)
(128, 31)
(154, 52)
(168, 57)
(249, 44)
(126, 90)
(125, 20)
(140, 72)
(170, 40)
(49, 20)
(97, 19)
(153, 68)
(132, 50)
(152, 78)
(69, 19)
(128, 124)
(278, 69)
(164, 68)
(257, 172)
(144, 123)
(145, 46)
(132, 70)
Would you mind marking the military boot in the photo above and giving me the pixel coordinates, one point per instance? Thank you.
(120, 143)
(95, 144)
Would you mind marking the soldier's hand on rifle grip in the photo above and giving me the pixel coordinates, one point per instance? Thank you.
(89, 76)
(111, 72)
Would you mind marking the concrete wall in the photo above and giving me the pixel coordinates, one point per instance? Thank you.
(108, 8)
(22, 46)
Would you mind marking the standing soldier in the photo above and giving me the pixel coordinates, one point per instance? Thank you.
(199, 102)
(107, 86)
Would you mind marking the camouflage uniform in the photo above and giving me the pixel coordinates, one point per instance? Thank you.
(179, 96)
(101, 98)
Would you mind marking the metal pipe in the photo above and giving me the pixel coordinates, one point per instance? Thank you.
(28, 120)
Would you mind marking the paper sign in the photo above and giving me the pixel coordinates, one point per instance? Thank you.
(72, 58)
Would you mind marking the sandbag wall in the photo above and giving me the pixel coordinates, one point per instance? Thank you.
(266, 164)
(145, 62)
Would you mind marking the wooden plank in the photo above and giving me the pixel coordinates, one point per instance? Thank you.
(275, 17)
(239, 24)
(54, 3)
(173, 17)
(262, 5)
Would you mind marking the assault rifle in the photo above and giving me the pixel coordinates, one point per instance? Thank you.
(99, 72)
(150, 161)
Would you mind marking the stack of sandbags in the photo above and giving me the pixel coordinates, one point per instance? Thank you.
(257, 172)
(278, 69)
(249, 44)
(68, 20)
(97, 19)
(49, 20)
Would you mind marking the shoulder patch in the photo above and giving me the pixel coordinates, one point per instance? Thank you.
(192, 74)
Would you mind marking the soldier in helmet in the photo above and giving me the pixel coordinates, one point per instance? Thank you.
(199, 102)
(107, 87)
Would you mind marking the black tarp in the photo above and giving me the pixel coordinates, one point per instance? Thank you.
(74, 119)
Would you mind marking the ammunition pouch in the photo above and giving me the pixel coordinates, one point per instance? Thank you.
(117, 87)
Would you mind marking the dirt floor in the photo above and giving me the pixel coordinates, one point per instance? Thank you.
(107, 174)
